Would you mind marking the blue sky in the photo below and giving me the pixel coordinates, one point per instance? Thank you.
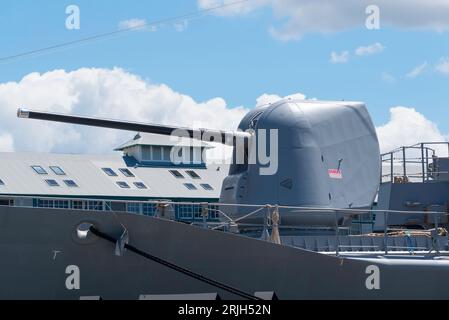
(234, 56)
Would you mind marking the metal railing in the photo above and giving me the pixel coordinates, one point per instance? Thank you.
(271, 216)
(413, 163)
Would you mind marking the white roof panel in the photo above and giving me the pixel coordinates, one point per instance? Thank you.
(86, 171)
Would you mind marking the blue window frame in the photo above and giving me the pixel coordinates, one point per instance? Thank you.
(188, 211)
(207, 187)
(127, 172)
(61, 204)
(39, 170)
(185, 211)
(140, 185)
(77, 205)
(109, 172)
(47, 203)
(95, 205)
(213, 212)
(57, 170)
(133, 207)
(193, 174)
(52, 183)
(149, 209)
(177, 174)
(123, 185)
(190, 186)
(71, 183)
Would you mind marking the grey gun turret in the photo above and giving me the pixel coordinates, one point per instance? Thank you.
(327, 157)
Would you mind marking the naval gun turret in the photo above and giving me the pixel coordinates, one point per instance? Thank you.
(328, 158)
(321, 155)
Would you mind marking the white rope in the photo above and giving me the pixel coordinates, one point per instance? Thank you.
(300, 209)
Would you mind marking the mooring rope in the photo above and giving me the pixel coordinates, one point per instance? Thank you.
(172, 266)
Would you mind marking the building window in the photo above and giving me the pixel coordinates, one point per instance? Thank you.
(123, 185)
(109, 172)
(107, 206)
(57, 170)
(196, 156)
(71, 183)
(133, 207)
(148, 209)
(166, 153)
(39, 170)
(77, 205)
(7, 202)
(140, 185)
(190, 186)
(157, 153)
(213, 212)
(127, 173)
(61, 204)
(193, 174)
(197, 214)
(188, 211)
(177, 174)
(45, 203)
(146, 153)
(52, 183)
(2, 183)
(207, 186)
(74, 204)
(185, 211)
(56, 204)
(95, 205)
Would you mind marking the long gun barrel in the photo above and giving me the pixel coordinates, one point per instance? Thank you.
(206, 135)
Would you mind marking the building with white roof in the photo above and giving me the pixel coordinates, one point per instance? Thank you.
(143, 170)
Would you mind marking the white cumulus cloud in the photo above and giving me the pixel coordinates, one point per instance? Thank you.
(273, 98)
(295, 18)
(231, 7)
(370, 50)
(267, 99)
(407, 127)
(115, 93)
(342, 57)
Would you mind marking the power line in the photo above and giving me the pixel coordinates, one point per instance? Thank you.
(179, 18)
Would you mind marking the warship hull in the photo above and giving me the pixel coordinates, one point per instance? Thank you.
(39, 248)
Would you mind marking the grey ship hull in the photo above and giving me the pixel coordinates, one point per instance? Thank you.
(37, 245)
